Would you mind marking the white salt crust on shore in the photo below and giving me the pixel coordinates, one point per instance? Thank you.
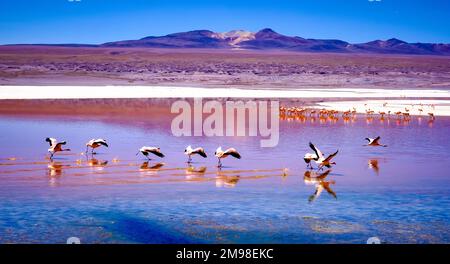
(440, 107)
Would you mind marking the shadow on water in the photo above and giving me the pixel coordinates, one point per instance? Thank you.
(140, 230)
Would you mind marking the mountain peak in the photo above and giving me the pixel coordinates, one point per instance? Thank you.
(267, 33)
(267, 30)
(395, 41)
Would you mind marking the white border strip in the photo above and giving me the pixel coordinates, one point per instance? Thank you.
(94, 92)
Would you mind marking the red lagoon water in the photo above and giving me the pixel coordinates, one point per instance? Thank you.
(399, 193)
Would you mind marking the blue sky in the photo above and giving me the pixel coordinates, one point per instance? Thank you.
(98, 21)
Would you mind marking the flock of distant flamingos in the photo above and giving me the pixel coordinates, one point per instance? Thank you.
(294, 111)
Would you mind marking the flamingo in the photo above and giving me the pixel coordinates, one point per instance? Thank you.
(374, 142)
(320, 158)
(327, 161)
(190, 151)
(147, 150)
(95, 143)
(55, 146)
(220, 154)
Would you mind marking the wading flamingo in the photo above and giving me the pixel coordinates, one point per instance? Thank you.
(147, 150)
(220, 154)
(190, 151)
(95, 143)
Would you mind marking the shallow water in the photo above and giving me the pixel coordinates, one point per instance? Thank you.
(399, 193)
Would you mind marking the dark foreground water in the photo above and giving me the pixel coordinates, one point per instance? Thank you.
(400, 194)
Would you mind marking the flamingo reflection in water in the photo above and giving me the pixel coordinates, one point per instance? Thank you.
(55, 171)
(193, 172)
(146, 168)
(223, 180)
(96, 164)
(312, 178)
(373, 165)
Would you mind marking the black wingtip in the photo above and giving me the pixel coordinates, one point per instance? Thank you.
(236, 155)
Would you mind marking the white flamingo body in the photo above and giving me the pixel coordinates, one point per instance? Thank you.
(312, 156)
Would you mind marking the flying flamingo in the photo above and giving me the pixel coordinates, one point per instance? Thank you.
(55, 146)
(374, 142)
(320, 159)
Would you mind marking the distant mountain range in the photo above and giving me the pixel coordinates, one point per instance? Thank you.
(267, 39)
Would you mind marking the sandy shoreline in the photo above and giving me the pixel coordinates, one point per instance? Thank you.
(43, 65)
